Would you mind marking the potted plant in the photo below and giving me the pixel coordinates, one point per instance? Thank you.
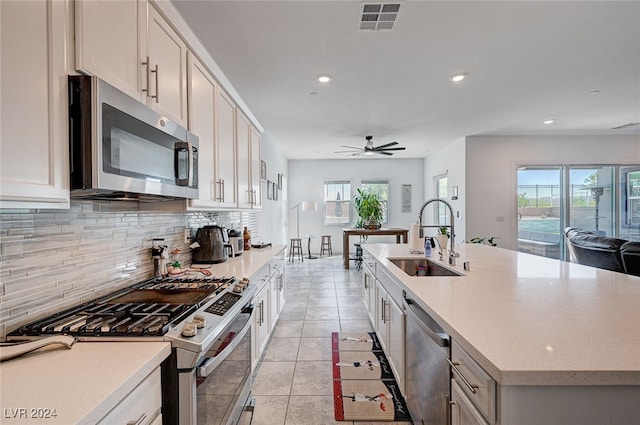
(486, 240)
(369, 208)
(443, 237)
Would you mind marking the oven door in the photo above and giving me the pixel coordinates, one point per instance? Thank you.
(223, 377)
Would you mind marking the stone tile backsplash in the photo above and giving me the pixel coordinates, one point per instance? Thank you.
(54, 259)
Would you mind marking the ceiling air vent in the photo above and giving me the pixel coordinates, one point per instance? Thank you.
(631, 124)
(379, 16)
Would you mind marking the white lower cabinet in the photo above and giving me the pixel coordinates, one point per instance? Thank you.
(261, 329)
(369, 294)
(268, 304)
(141, 406)
(389, 325)
(463, 412)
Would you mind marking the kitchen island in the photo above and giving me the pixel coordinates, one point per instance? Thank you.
(561, 340)
(86, 384)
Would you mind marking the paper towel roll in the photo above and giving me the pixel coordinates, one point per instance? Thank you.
(415, 241)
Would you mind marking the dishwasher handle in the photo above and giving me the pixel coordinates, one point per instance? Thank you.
(426, 323)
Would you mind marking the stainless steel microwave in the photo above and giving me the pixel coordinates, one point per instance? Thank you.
(121, 149)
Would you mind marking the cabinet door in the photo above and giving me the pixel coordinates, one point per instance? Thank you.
(261, 320)
(226, 150)
(202, 98)
(34, 141)
(254, 171)
(369, 288)
(396, 335)
(382, 312)
(167, 68)
(111, 42)
(463, 412)
(243, 143)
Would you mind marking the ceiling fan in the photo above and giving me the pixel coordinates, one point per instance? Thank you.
(370, 150)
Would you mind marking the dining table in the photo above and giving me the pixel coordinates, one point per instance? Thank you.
(402, 236)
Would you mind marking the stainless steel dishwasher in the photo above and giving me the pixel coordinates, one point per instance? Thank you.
(427, 369)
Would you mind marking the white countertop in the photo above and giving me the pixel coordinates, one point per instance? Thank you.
(248, 263)
(82, 383)
(530, 320)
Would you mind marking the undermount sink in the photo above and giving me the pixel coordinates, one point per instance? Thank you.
(422, 267)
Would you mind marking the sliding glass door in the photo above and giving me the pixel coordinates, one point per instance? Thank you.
(604, 199)
(540, 210)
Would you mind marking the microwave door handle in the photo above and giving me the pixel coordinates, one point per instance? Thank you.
(179, 150)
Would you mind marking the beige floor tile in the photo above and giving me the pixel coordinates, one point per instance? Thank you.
(270, 410)
(292, 313)
(353, 312)
(274, 378)
(355, 326)
(311, 410)
(314, 349)
(288, 329)
(312, 378)
(281, 350)
(321, 313)
(320, 329)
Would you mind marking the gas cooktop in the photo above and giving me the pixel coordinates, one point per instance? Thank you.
(149, 308)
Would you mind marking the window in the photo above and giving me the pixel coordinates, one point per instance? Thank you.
(440, 208)
(337, 202)
(381, 188)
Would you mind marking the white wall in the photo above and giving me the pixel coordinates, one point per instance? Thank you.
(306, 183)
(491, 163)
(451, 161)
(272, 218)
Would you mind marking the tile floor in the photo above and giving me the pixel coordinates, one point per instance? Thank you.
(293, 380)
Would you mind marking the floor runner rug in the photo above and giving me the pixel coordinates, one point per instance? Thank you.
(364, 387)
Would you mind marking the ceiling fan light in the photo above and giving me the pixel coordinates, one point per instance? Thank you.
(325, 78)
(368, 153)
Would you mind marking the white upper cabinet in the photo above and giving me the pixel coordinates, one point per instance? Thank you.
(34, 152)
(255, 167)
(226, 150)
(243, 143)
(211, 117)
(248, 163)
(166, 69)
(111, 42)
(128, 44)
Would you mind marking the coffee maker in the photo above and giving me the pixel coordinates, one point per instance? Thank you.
(212, 245)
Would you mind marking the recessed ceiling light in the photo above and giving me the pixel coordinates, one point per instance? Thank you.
(459, 77)
(324, 78)
(594, 92)
(313, 93)
(549, 121)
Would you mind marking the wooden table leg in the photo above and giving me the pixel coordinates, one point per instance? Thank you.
(398, 238)
(345, 250)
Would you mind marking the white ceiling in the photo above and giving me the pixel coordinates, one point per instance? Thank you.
(527, 61)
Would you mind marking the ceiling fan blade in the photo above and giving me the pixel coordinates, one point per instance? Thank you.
(383, 152)
(385, 146)
(351, 147)
(391, 149)
(345, 152)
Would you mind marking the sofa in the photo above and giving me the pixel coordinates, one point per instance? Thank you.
(590, 249)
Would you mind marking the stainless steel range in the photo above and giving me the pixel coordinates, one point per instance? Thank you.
(207, 378)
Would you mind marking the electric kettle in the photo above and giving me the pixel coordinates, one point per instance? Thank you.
(213, 245)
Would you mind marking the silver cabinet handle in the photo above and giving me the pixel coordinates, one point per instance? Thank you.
(454, 368)
(139, 421)
(148, 75)
(221, 197)
(382, 315)
(157, 95)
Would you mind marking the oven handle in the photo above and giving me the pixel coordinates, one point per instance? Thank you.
(210, 364)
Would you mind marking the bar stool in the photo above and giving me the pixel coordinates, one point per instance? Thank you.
(295, 249)
(326, 245)
(358, 258)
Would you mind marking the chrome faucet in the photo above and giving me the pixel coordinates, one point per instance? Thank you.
(452, 254)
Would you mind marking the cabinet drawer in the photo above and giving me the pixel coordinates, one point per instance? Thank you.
(140, 406)
(463, 411)
(482, 383)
